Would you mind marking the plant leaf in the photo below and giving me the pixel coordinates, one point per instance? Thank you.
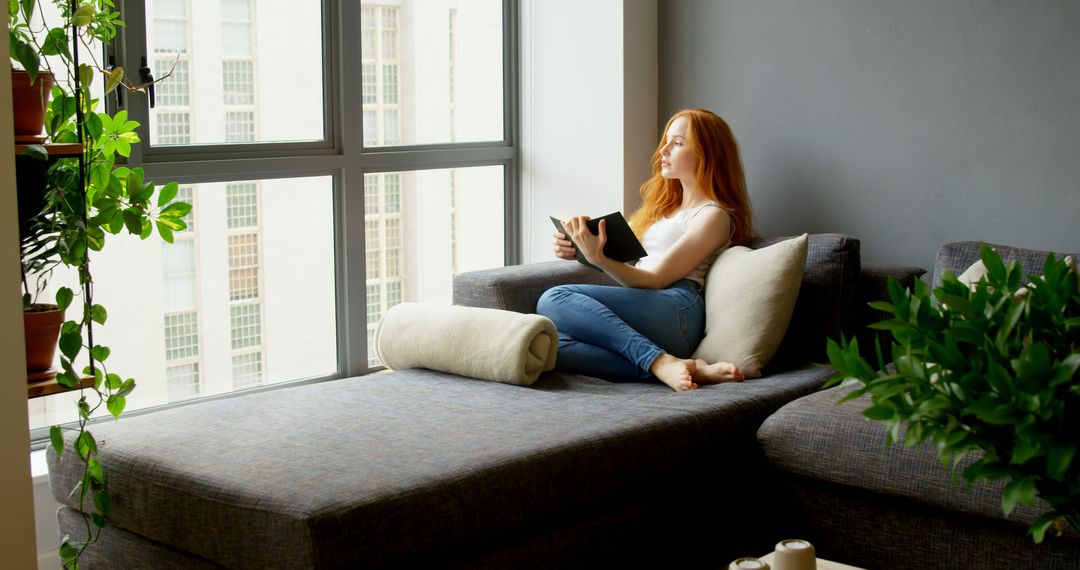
(116, 405)
(98, 314)
(167, 193)
(64, 297)
(56, 436)
(1021, 490)
(1038, 528)
(1058, 459)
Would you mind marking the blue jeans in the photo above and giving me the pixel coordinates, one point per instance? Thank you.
(617, 332)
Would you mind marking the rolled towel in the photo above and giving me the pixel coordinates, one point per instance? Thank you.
(489, 344)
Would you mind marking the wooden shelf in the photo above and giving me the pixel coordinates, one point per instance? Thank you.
(49, 387)
(56, 150)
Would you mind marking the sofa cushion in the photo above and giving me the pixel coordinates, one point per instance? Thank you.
(957, 257)
(749, 297)
(828, 302)
(378, 469)
(814, 438)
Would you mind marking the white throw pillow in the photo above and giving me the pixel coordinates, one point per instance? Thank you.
(973, 274)
(749, 298)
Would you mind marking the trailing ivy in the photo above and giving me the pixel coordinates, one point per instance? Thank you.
(86, 199)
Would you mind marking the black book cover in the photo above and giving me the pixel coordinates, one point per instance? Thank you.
(622, 245)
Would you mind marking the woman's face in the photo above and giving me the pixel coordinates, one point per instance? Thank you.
(676, 160)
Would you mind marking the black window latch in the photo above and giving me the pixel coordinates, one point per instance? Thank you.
(148, 80)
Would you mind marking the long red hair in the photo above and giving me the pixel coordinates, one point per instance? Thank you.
(719, 174)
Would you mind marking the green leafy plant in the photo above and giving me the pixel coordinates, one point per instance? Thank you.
(84, 199)
(990, 371)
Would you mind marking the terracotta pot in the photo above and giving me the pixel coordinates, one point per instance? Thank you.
(41, 323)
(29, 103)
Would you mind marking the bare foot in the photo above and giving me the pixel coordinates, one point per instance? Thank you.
(716, 372)
(675, 372)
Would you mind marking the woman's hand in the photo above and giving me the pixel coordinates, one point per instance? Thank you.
(564, 248)
(591, 246)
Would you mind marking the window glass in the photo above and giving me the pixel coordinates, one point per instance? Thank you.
(431, 225)
(235, 80)
(432, 75)
(245, 296)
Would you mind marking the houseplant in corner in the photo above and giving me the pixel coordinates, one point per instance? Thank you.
(83, 199)
(990, 371)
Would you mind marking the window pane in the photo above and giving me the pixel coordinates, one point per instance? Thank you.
(236, 80)
(454, 55)
(460, 212)
(265, 286)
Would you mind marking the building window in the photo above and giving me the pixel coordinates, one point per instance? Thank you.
(172, 117)
(247, 370)
(239, 126)
(173, 128)
(238, 82)
(245, 322)
(182, 382)
(241, 202)
(181, 335)
(243, 266)
(380, 71)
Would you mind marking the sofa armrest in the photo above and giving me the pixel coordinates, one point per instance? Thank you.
(518, 287)
(874, 286)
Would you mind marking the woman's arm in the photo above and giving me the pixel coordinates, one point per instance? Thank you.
(707, 232)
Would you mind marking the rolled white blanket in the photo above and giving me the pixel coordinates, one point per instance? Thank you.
(488, 344)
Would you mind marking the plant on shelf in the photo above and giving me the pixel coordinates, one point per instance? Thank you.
(989, 371)
(80, 201)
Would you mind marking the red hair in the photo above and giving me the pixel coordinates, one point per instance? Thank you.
(719, 175)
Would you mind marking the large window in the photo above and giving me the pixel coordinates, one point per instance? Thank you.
(333, 176)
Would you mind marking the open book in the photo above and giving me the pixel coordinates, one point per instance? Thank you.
(622, 245)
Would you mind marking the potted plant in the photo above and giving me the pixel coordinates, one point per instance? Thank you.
(989, 370)
(30, 85)
(79, 201)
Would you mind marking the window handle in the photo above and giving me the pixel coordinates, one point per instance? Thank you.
(119, 92)
(148, 80)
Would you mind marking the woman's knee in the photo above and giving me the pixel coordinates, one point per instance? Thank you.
(550, 300)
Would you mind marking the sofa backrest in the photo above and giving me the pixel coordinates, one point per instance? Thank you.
(958, 256)
(828, 302)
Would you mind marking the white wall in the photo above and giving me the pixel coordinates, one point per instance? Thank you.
(588, 110)
(17, 542)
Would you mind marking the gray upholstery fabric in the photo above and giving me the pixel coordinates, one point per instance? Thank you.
(518, 287)
(871, 504)
(958, 256)
(873, 286)
(398, 466)
(814, 438)
(828, 298)
(871, 530)
(118, 548)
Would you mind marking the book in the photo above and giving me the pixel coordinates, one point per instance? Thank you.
(622, 245)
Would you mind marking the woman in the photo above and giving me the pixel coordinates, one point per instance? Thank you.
(695, 206)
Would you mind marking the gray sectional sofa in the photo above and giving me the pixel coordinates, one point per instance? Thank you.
(877, 507)
(418, 467)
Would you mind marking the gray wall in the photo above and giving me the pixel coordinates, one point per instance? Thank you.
(907, 123)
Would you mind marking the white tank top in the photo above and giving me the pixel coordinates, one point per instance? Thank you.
(663, 234)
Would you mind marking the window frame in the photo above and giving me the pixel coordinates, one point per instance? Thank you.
(341, 155)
